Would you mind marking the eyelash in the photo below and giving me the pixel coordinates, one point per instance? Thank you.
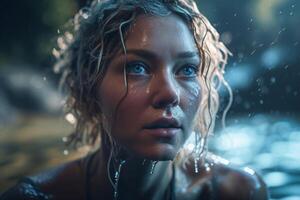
(195, 69)
(130, 66)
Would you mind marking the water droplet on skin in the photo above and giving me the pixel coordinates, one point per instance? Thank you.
(117, 178)
(196, 165)
(249, 170)
(144, 161)
(153, 166)
(148, 90)
(194, 90)
(207, 167)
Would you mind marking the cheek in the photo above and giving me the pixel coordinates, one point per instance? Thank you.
(121, 108)
(191, 98)
(110, 93)
(132, 107)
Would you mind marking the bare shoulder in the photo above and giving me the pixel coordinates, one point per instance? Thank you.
(233, 182)
(56, 183)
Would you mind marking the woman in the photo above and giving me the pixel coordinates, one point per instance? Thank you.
(143, 77)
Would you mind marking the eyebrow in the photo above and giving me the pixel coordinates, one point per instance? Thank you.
(152, 55)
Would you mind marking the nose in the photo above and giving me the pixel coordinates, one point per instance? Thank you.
(166, 91)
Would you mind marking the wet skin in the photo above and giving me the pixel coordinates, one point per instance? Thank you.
(162, 68)
(161, 84)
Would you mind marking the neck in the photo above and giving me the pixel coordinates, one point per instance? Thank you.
(144, 179)
(137, 177)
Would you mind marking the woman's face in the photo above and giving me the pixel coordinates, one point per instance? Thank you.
(156, 116)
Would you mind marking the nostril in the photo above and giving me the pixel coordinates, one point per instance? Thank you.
(166, 90)
(166, 98)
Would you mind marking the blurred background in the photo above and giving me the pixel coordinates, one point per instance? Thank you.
(263, 125)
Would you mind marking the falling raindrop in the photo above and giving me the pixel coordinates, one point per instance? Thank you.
(65, 139)
(273, 80)
(261, 101)
(286, 66)
(66, 152)
(253, 52)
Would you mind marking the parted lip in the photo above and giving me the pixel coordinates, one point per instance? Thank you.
(164, 123)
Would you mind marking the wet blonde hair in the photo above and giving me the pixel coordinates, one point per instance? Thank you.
(100, 29)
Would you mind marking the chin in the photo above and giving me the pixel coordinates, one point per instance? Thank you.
(160, 152)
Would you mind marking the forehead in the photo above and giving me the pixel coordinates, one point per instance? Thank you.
(160, 33)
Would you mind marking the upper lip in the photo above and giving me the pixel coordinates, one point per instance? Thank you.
(164, 123)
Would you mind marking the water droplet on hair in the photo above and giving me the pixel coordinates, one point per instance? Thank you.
(85, 16)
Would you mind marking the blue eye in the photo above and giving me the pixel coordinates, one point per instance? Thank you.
(188, 71)
(136, 68)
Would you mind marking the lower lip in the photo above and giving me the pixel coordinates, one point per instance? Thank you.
(162, 132)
